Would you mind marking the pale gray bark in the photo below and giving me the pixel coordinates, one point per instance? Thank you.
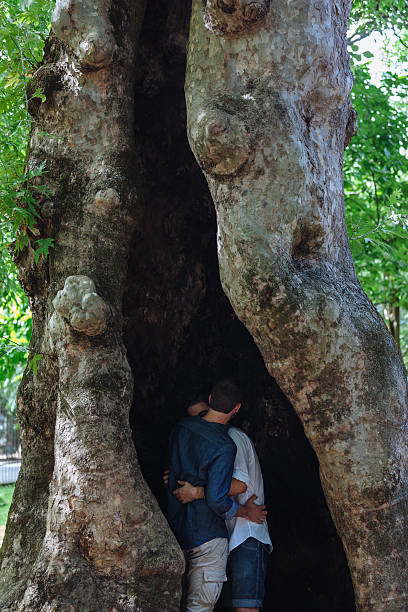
(106, 544)
(267, 91)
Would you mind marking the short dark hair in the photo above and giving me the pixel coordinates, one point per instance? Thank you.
(225, 395)
(197, 398)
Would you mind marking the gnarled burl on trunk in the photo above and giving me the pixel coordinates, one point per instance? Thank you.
(269, 115)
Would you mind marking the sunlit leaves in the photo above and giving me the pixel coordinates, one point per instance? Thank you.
(24, 27)
(15, 329)
(376, 190)
(379, 15)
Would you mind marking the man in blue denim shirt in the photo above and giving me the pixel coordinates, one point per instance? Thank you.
(202, 453)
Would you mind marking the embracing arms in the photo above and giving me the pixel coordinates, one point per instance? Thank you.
(250, 510)
(187, 493)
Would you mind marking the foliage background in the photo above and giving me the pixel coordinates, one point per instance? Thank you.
(6, 494)
(375, 169)
(376, 163)
(24, 27)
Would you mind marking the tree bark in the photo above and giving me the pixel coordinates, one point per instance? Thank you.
(105, 544)
(267, 91)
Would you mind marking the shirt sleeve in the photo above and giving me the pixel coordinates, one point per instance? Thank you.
(219, 482)
(241, 465)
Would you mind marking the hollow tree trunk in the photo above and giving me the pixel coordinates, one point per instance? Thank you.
(105, 544)
(182, 334)
(267, 91)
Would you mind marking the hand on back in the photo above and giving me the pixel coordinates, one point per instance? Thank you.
(255, 513)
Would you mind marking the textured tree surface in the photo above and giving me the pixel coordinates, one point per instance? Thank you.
(267, 91)
(98, 541)
(130, 302)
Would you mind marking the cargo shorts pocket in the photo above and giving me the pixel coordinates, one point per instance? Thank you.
(214, 574)
(213, 579)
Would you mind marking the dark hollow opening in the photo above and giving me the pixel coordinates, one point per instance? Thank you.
(182, 334)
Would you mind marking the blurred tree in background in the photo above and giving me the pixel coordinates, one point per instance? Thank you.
(376, 188)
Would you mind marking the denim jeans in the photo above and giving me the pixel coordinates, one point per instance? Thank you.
(246, 571)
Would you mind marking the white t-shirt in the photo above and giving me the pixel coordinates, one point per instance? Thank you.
(248, 470)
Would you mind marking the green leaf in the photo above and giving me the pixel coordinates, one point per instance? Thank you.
(39, 94)
(33, 363)
(43, 247)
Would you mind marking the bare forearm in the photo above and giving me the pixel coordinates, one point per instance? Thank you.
(237, 487)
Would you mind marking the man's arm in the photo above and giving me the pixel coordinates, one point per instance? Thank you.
(187, 493)
(249, 511)
(219, 474)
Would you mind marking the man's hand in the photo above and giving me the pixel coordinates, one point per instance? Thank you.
(187, 493)
(252, 512)
(166, 478)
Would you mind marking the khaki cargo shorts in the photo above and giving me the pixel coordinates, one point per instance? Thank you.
(205, 574)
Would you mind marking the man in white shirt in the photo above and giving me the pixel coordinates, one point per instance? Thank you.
(249, 542)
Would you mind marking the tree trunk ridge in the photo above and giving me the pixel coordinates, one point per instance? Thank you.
(268, 118)
(106, 544)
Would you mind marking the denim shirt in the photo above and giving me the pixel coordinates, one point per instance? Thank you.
(202, 453)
